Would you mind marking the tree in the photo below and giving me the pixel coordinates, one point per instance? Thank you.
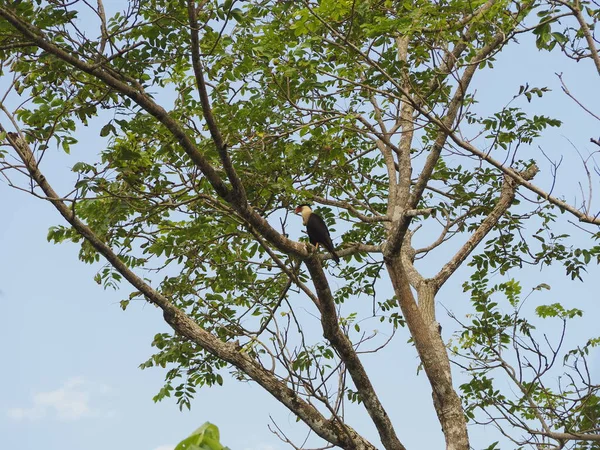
(220, 117)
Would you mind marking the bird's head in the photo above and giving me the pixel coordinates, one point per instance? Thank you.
(301, 208)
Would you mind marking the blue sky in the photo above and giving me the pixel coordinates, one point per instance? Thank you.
(70, 355)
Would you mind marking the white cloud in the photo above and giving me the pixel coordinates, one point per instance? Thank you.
(69, 402)
(165, 447)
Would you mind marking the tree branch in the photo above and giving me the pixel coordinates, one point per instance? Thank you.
(507, 195)
(343, 346)
(350, 208)
(583, 217)
(211, 123)
(38, 38)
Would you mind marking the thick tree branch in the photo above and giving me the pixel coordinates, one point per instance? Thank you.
(568, 436)
(406, 122)
(345, 350)
(391, 166)
(103, 28)
(211, 123)
(352, 248)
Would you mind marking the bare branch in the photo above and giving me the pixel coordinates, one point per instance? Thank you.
(566, 91)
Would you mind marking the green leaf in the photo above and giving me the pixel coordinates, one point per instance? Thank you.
(541, 286)
(205, 437)
(237, 14)
(107, 129)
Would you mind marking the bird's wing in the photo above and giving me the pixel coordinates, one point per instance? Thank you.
(318, 219)
(318, 233)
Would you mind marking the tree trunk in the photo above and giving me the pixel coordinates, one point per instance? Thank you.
(434, 357)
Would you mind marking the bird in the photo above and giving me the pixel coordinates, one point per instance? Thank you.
(317, 230)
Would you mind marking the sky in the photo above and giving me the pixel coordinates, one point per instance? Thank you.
(70, 378)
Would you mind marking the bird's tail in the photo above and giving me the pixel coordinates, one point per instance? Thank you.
(329, 246)
(336, 258)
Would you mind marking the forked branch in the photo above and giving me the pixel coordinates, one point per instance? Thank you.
(507, 195)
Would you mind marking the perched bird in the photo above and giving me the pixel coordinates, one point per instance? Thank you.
(316, 229)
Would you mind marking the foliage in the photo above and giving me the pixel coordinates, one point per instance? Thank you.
(499, 348)
(215, 118)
